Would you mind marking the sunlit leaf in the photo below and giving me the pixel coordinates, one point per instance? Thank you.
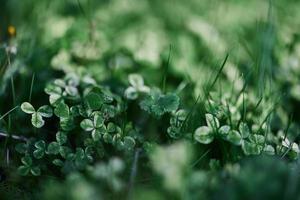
(45, 111)
(27, 108)
(204, 135)
(37, 120)
(87, 125)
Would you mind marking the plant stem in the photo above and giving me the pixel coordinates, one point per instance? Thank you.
(16, 137)
(133, 173)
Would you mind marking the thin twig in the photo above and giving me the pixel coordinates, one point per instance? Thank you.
(16, 137)
(133, 172)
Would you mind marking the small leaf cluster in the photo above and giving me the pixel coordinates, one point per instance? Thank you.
(136, 86)
(226, 122)
(37, 115)
(89, 116)
(177, 121)
(157, 104)
(251, 143)
(152, 101)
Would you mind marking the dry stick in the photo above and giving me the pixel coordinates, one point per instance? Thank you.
(133, 173)
(16, 137)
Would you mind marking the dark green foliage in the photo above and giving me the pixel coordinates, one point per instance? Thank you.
(130, 99)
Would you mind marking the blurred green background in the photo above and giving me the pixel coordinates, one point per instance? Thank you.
(46, 38)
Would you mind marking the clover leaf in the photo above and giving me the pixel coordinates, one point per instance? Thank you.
(93, 100)
(37, 116)
(269, 150)
(62, 110)
(223, 131)
(82, 158)
(40, 149)
(37, 120)
(45, 111)
(254, 145)
(251, 148)
(87, 125)
(27, 108)
(53, 148)
(244, 130)
(137, 85)
(290, 148)
(96, 126)
(22, 148)
(129, 143)
(61, 137)
(108, 111)
(158, 104)
(212, 121)
(204, 135)
(55, 94)
(234, 137)
(176, 124)
(28, 167)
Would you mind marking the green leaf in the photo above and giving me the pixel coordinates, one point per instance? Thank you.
(53, 89)
(40, 144)
(98, 120)
(96, 135)
(158, 104)
(66, 124)
(23, 170)
(45, 111)
(169, 102)
(53, 148)
(36, 171)
(26, 160)
(37, 120)
(75, 111)
(268, 149)
(131, 93)
(55, 99)
(27, 108)
(108, 111)
(61, 137)
(244, 130)
(223, 131)
(107, 96)
(234, 137)
(39, 153)
(62, 110)
(71, 90)
(70, 156)
(60, 83)
(136, 80)
(64, 151)
(87, 125)
(212, 121)
(129, 142)
(174, 132)
(93, 100)
(111, 127)
(181, 115)
(21, 148)
(204, 135)
(58, 162)
(251, 148)
(107, 138)
(257, 139)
